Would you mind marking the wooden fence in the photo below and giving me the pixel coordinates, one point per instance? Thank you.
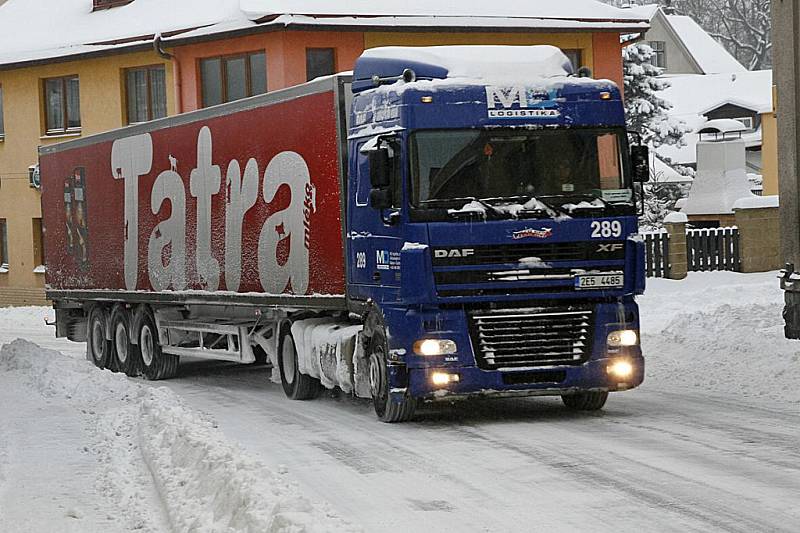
(713, 249)
(656, 245)
(706, 250)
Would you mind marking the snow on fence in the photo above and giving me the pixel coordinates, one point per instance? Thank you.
(711, 249)
(656, 245)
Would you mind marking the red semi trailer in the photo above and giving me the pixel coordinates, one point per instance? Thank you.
(186, 232)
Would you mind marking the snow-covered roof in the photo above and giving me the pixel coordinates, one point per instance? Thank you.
(660, 172)
(26, 35)
(694, 95)
(647, 11)
(710, 55)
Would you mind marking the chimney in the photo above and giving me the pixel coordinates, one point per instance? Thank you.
(668, 9)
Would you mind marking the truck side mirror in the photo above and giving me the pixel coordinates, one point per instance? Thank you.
(379, 168)
(640, 161)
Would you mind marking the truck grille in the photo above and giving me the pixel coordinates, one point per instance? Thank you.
(532, 337)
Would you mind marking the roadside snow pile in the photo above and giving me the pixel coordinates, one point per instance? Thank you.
(204, 482)
(720, 331)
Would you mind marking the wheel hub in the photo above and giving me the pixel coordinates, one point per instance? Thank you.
(146, 345)
(121, 340)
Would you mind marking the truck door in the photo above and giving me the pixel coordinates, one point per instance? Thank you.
(374, 235)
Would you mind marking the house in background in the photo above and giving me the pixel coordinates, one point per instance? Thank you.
(708, 83)
(110, 63)
(681, 45)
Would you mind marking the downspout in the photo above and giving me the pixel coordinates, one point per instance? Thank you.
(176, 71)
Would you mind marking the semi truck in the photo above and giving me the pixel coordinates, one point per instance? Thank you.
(441, 223)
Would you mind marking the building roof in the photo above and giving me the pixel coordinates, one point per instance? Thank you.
(709, 54)
(25, 39)
(695, 95)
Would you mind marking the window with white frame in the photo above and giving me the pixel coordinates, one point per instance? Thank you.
(747, 122)
(659, 57)
(146, 93)
(62, 102)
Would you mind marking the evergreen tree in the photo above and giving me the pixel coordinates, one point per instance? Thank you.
(647, 112)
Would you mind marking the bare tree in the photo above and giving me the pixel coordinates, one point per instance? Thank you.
(742, 26)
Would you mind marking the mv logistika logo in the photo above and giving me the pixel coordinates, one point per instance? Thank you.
(520, 102)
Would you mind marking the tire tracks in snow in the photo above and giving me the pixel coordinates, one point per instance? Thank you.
(710, 512)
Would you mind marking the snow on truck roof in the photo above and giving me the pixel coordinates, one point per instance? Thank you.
(474, 62)
(29, 31)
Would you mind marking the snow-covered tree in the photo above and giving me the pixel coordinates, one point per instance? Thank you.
(660, 198)
(646, 111)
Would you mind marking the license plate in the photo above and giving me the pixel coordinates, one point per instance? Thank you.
(599, 281)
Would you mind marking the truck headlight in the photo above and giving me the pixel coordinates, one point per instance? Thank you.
(434, 347)
(623, 337)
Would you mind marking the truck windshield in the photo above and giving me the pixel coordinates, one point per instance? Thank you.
(448, 166)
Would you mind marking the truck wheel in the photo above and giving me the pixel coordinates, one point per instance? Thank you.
(386, 409)
(585, 401)
(125, 353)
(97, 347)
(297, 386)
(155, 363)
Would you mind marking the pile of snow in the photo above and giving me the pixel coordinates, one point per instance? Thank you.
(204, 482)
(720, 332)
(757, 202)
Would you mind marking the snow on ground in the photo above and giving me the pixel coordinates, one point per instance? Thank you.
(145, 461)
(720, 331)
(708, 443)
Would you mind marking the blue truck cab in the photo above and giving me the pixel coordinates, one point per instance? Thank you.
(492, 227)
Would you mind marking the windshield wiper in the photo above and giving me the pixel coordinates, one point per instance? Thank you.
(455, 212)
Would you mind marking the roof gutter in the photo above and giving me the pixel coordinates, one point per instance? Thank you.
(176, 71)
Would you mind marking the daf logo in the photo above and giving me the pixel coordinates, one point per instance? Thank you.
(465, 252)
(611, 247)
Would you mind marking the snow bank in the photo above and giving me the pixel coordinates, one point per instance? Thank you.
(675, 217)
(722, 332)
(205, 483)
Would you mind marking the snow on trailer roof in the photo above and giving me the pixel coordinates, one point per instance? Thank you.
(30, 32)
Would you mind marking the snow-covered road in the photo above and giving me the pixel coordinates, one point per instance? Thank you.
(708, 443)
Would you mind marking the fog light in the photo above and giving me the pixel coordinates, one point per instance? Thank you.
(623, 337)
(443, 378)
(620, 369)
(434, 347)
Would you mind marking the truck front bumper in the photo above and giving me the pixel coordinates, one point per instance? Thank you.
(594, 375)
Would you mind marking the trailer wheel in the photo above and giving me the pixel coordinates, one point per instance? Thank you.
(585, 401)
(125, 353)
(155, 363)
(386, 409)
(97, 347)
(297, 386)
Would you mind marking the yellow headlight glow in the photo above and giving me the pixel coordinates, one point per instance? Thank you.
(621, 369)
(623, 337)
(430, 347)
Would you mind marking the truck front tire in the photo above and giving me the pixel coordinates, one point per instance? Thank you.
(387, 409)
(97, 347)
(155, 363)
(296, 385)
(585, 401)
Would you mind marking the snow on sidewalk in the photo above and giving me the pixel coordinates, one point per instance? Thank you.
(720, 332)
(109, 440)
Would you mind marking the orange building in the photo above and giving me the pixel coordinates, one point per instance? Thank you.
(110, 63)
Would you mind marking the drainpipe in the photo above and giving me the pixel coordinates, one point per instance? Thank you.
(176, 71)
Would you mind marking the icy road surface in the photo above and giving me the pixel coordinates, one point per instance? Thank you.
(710, 442)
